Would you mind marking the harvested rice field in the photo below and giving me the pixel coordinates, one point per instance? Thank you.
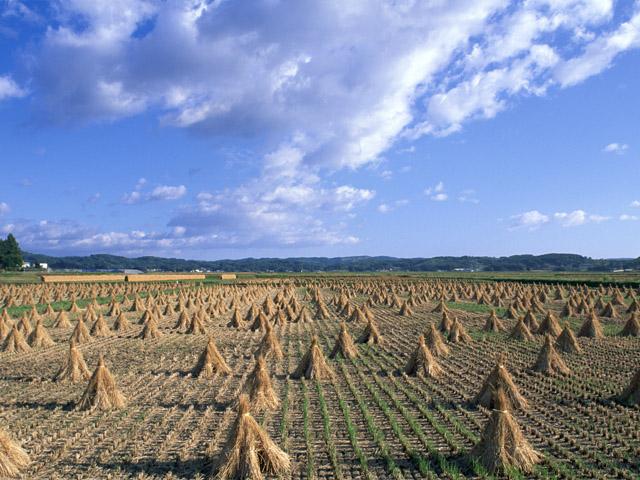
(363, 378)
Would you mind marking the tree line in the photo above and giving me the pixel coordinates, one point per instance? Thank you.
(549, 262)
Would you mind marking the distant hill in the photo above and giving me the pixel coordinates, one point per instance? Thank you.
(549, 262)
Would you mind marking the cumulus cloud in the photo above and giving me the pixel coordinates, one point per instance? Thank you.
(534, 219)
(635, 204)
(436, 193)
(318, 86)
(599, 53)
(347, 82)
(577, 217)
(161, 192)
(289, 212)
(531, 220)
(168, 192)
(618, 148)
(68, 236)
(4, 208)
(626, 218)
(9, 88)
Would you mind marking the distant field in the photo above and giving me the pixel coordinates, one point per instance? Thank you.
(623, 278)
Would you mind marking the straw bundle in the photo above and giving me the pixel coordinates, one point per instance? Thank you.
(62, 320)
(270, 344)
(446, 323)
(100, 328)
(102, 392)
(262, 396)
(631, 394)
(249, 452)
(549, 325)
(313, 365)
(74, 368)
(567, 341)
(344, 344)
(436, 343)
(24, 325)
(521, 331)
(422, 361)
(502, 446)
(210, 362)
(15, 342)
(196, 327)
(500, 378)
(122, 323)
(13, 459)
(632, 327)
(371, 334)
(40, 337)
(182, 322)
(493, 323)
(150, 330)
(591, 327)
(80, 333)
(549, 360)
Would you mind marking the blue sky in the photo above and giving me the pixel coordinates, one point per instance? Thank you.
(227, 129)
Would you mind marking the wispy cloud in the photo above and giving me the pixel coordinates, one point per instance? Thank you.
(161, 192)
(436, 193)
(390, 207)
(4, 208)
(617, 148)
(468, 196)
(10, 89)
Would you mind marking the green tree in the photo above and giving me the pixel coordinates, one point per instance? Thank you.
(10, 255)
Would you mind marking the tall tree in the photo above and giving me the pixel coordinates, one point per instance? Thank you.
(10, 254)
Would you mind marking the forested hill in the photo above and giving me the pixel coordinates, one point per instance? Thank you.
(551, 262)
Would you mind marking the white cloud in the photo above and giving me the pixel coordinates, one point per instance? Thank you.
(626, 218)
(131, 198)
(168, 192)
(348, 81)
(347, 197)
(598, 218)
(9, 88)
(4, 208)
(572, 219)
(618, 148)
(161, 192)
(635, 204)
(531, 220)
(534, 219)
(468, 196)
(436, 193)
(578, 217)
(386, 207)
(338, 86)
(599, 54)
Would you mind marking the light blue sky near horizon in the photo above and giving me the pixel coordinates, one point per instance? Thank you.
(313, 151)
